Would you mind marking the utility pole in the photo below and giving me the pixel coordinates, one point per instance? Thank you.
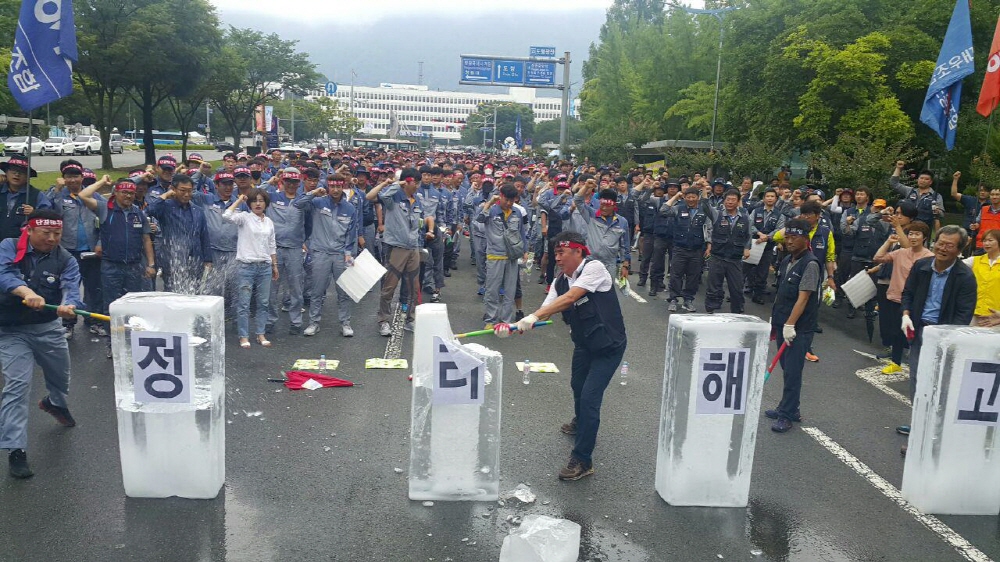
(420, 73)
(563, 142)
(208, 120)
(292, 99)
(494, 128)
(351, 103)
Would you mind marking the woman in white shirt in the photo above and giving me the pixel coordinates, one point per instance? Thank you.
(256, 261)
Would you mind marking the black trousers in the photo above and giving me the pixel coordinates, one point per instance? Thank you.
(662, 248)
(685, 272)
(646, 240)
(756, 275)
(730, 271)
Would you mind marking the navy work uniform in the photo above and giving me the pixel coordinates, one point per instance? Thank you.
(692, 227)
(31, 336)
(599, 341)
(730, 238)
(802, 274)
(81, 238)
(762, 221)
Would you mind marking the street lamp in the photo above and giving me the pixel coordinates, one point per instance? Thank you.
(718, 12)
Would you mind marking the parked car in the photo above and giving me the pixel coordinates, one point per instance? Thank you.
(116, 144)
(59, 146)
(225, 146)
(87, 144)
(19, 145)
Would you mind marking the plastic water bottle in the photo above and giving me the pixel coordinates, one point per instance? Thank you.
(526, 375)
(322, 362)
(624, 374)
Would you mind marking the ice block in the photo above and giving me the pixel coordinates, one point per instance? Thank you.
(542, 539)
(454, 448)
(712, 385)
(170, 372)
(951, 463)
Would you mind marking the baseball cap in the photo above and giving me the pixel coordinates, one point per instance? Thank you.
(223, 176)
(241, 171)
(291, 174)
(167, 162)
(195, 157)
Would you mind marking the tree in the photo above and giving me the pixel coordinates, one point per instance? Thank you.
(103, 41)
(695, 109)
(259, 69)
(188, 107)
(506, 114)
(186, 36)
(548, 131)
(854, 161)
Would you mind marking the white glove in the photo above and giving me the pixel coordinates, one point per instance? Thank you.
(501, 330)
(527, 323)
(907, 325)
(788, 332)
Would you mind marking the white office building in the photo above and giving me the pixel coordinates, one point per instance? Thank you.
(422, 112)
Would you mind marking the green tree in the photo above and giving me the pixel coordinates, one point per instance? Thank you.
(186, 36)
(695, 109)
(259, 69)
(548, 131)
(506, 120)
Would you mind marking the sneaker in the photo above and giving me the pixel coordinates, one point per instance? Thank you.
(519, 315)
(311, 329)
(575, 470)
(346, 330)
(384, 329)
(408, 326)
(541, 280)
(293, 330)
(18, 460)
(688, 306)
(902, 450)
(488, 326)
(481, 291)
(903, 430)
(284, 308)
(61, 415)
(709, 311)
(68, 332)
(819, 329)
(447, 272)
(569, 428)
(98, 330)
(885, 354)
(436, 296)
(891, 369)
(773, 414)
(672, 307)
(653, 291)
(641, 283)
(110, 354)
(781, 425)
(810, 356)
(757, 299)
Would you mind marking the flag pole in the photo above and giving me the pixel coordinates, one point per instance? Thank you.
(989, 132)
(27, 195)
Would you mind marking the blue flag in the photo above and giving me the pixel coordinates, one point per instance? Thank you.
(940, 110)
(41, 65)
(517, 133)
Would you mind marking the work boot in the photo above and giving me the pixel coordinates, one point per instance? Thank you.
(576, 469)
(61, 415)
(569, 428)
(18, 460)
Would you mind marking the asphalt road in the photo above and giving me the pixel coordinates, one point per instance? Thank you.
(289, 498)
(125, 160)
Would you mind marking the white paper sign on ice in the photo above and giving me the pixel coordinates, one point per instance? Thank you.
(358, 279)
(978, 401)
(161, 367)
(722, 377)
(756, 252)
(459, 378)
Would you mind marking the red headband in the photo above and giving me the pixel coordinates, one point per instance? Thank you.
(36, 222)
(125, 185)
(574, 246)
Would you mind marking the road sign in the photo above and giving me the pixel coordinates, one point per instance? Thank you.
(331, 88)
(477, 70)
(542, 52)
(540, 73)
(508, 72)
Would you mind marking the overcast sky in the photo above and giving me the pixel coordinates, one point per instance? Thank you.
(374, 10)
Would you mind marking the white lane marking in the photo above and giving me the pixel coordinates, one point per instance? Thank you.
(868, 355)
(874, 377)
(946, 533)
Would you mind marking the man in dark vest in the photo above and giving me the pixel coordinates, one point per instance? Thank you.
(17, 198)
(584, 293)
(730, 245)
(34, 271)
(863, 226)
(793, 318)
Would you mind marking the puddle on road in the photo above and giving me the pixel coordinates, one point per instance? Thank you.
(780, 535)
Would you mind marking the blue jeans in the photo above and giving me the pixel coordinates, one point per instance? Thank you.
(119, 278)
(252, 277)
(591, 374)
(792, 362)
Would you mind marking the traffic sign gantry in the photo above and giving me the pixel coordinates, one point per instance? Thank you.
(508, 71)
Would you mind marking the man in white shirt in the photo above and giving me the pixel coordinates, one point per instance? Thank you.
(584, 293)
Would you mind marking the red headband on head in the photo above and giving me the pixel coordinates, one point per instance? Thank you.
(36, 222)
(574, 246)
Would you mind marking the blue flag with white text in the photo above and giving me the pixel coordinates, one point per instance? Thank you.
(41, 64)
(940, 111)
(517, 133)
